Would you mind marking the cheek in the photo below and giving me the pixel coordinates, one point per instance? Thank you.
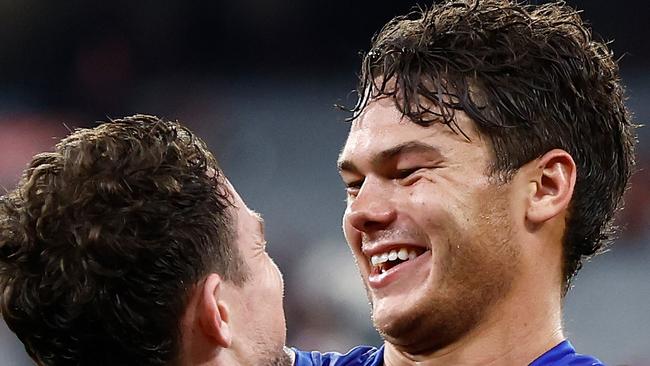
(352, 236)
(279, 279)
(267, 281)
(446, 198)
(443, 217)
(274, 276)
(428, 205)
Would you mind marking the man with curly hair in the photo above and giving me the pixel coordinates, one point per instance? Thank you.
(488, 152)
(127, 245)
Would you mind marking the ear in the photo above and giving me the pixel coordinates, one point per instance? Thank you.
(551, 184)
(213, 312)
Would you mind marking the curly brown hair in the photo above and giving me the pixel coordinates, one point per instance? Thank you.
(533, 79)
(104, 237)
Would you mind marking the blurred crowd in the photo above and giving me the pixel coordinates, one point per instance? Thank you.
(262, 96)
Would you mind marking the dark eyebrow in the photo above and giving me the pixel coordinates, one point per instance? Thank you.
(403, 148)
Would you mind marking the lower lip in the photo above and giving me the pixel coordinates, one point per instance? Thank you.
(377, 281)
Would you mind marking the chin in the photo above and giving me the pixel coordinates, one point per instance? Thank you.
(395, 322)
(426, 326)
(271, 355)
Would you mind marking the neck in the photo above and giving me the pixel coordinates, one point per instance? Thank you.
(515, 332)
(212, 357)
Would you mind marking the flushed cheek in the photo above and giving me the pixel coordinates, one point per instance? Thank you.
(277, 282)
(436, 210)
(270, 281)
(352, 235)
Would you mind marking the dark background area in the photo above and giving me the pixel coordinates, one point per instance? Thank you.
(258, 81)
(90, 56)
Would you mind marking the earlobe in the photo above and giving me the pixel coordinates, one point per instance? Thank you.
(214, 312)
(551, 186)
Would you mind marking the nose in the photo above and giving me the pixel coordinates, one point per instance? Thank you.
(372, 209)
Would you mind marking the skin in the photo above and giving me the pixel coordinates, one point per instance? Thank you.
(486, 287)
(228, 324)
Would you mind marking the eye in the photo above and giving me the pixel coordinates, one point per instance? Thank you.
(404, 173)
(352, 188)
(408, 176)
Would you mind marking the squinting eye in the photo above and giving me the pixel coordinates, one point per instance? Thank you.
(356, 184)
(352, 188)
(403, 173)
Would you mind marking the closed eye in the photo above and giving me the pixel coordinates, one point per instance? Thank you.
(409, 176)
(404, 173)
(352, 188)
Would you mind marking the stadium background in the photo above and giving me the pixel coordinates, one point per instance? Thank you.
(258, 80)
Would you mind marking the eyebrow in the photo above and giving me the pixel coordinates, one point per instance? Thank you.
(403, 148)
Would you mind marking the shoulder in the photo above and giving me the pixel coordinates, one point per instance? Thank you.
(358, 356)
(565, 355)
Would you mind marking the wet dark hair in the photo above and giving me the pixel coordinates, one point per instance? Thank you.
(533, 79)
(103, 239)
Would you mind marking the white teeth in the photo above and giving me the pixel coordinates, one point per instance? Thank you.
(392, 255)
(402, 254)
(374, 260)
(379, 259)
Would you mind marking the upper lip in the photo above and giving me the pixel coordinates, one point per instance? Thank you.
(370, 249)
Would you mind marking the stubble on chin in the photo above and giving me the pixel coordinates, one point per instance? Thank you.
(281, 356)
(281, 359)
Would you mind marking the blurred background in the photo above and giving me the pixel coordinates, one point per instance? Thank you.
(257, 79)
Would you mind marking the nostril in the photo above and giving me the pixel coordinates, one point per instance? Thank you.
(374, 226)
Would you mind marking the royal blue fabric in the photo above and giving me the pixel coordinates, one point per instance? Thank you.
(561, 355)
(565, 355)
(358, 356)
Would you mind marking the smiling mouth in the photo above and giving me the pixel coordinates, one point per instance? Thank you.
(383, 262)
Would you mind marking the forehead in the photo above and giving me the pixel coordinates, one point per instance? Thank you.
(382, 126)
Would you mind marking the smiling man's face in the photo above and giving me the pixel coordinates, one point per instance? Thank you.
(430, 230)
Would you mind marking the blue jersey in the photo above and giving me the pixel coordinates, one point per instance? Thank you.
(358, 356)
(565, 355)
(561, 355)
